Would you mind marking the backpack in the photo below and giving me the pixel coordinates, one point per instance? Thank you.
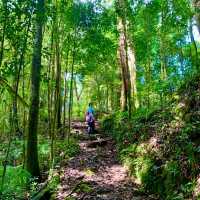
(89, 117)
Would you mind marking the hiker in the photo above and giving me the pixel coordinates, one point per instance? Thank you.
(90, 119)
(90, 109)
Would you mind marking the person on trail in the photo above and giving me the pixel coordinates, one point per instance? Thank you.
(90, 109)
(90, 119)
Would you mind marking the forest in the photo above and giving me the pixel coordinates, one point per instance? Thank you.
(136, 63)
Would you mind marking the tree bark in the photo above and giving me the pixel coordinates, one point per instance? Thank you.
(71, 88)
(123, 56)
(32, 163)
(195, 46)
(58, 86)
(196, 5)
(132, 69)
(4, 31)
(17, 80)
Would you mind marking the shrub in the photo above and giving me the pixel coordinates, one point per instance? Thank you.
(15, 183)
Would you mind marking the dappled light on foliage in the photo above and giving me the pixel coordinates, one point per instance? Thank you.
(96, 173)
(100, 99)
(164, 158)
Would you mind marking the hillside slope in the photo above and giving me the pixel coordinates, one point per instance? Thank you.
(162, 147)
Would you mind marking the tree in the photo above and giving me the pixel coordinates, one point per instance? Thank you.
(32, 163)
(123, 57)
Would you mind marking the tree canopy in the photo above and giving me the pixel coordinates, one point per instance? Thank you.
(127, 58)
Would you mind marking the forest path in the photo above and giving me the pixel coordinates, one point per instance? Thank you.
(96, 174)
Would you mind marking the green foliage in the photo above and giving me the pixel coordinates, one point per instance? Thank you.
(16, 152)
(107, 123)
(163, 157)
(84, 187)
(15, 183)
(84, 34)
(63, 150)
(37, 191)
(69, 148)
(54, 182)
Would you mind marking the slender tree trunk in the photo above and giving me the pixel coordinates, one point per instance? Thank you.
(17, 80)
(4, 31)
(14, 105)
(132, 70)
(50, 87)
(163, 43)
(195, 46)
(32, 163)
(7, 152)
(148, 80)
(24, 118)
(98, 93)
(77, 96)
(58, 69)
(196, 5)
(107, 98)
(64, 101)
(181, 59)
(121, 8)
(71, 90)
(53, 111)
(125, 98)
(163, 71)
(58, 86)
(65, 92)
(197, 19)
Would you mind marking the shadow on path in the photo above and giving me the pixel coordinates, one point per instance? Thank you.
(96, 174)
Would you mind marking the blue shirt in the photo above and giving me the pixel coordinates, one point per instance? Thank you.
(90, 110)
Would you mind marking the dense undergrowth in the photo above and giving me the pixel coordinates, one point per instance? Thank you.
(161, 147)
(18, 183)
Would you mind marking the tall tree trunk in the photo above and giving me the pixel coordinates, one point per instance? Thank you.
(32, 163)
(3, 31)
(17, 80)
(132, 70)
(107, 98)
(24, 118)
(181, 59)
(64, 101)
(163, 43)
(58, 87)
(122, 53)
(196, 5)
(7, 152)
(78, 96)
(123, 99)
(123, 56)
(163, 71)
(53, 111)
(14, 103)
(58, 70)
(49, 75)
(70, 100)
(65, 92)
(195, 45)
(71, 89)
(148, 80)
(98, 92)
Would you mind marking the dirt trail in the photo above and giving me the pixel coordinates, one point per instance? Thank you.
(96, 174)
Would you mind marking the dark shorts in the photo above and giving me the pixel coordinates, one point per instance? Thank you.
(91, 124)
